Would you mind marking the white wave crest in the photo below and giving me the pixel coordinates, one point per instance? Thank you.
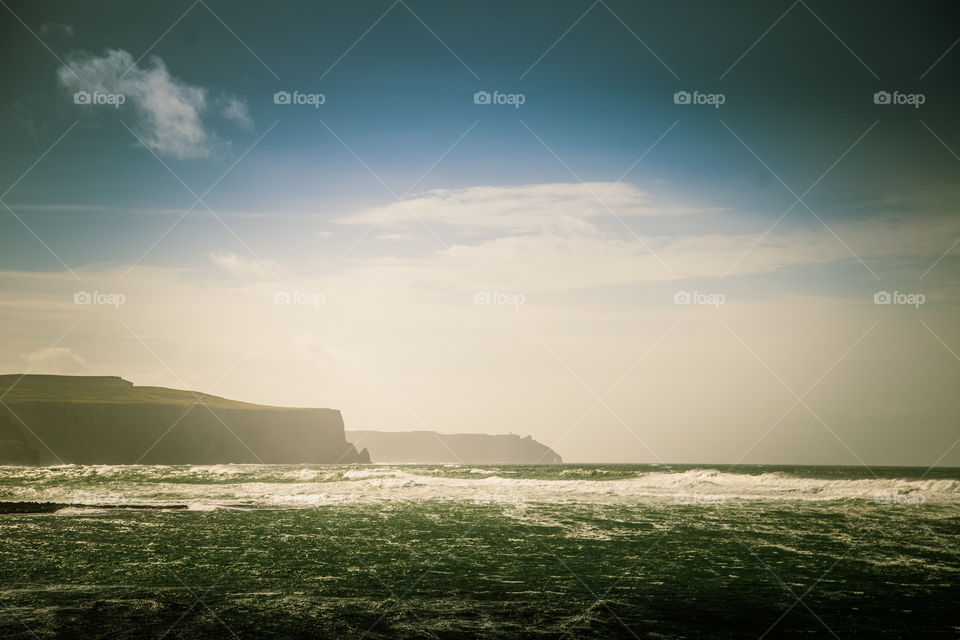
(295, 486)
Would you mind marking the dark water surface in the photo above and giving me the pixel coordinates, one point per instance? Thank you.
(571, 551)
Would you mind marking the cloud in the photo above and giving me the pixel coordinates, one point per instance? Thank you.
(399, 237)
(241, 267)
(553, 237)
(584, 260)
(517, 209)
(236, 111)
(48, 28)
(169, 111)
(59, 360)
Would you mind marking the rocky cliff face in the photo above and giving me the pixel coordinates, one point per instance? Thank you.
(430, 447)
(14, 448)
(99, 420)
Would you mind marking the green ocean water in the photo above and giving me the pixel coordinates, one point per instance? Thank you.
(574, 551)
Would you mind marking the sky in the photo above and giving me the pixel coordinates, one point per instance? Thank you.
(639, 232)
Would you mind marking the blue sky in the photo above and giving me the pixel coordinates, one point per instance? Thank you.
(597, 199)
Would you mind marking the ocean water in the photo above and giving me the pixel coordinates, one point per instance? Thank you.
(420, 551)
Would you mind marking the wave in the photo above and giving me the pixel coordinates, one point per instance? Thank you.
(297, 486)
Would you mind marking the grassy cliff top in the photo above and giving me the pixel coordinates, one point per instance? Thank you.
(108, 389)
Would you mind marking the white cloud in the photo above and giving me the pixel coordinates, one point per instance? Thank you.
(399, 236)
(554, 237)
(586, 259)
(241, 267)
(235, 110)
(169, 111)
(57, 360)
(517, 209)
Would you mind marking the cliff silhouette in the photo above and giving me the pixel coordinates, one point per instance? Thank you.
(48, 419)
(430, 447)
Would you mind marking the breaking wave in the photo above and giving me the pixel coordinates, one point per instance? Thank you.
(297, 486)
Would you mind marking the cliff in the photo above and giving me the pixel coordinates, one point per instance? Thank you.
(108, 420)
(430, 447)
(14, 448)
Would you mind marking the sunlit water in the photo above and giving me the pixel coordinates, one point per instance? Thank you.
(293, 551)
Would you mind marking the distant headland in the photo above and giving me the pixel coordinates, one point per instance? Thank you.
(430, 447)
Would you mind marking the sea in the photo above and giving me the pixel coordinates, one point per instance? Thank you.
(460, 551)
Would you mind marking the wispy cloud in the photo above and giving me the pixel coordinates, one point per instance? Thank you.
(56, 360)
(517, 209)
(50, 28)
(556, 236)
(235, 110)
(241, 267)
(169, 112)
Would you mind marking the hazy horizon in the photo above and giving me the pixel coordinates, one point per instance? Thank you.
(691, 234)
